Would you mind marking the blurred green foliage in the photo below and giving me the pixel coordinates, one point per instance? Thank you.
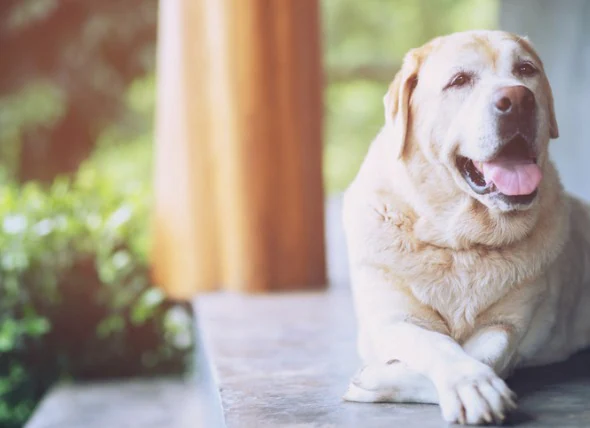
(75, 295)
(63, 70)
(76, 300)
(38, 104)
(124, 149)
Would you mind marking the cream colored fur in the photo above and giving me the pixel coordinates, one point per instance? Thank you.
(454, 290)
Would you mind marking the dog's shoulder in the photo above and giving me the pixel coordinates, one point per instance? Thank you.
(374, 215)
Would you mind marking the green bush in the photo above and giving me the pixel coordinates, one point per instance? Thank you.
(75, 295)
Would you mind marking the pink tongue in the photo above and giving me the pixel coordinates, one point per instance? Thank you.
(513, 178)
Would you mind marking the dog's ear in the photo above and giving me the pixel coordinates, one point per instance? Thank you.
(553, 128)
(397, 101)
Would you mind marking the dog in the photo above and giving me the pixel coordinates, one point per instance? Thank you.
(467, 257)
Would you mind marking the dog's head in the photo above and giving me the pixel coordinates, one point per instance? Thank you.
(479, 105)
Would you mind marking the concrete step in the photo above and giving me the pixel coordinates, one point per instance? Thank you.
(285, 361)
(190, 401)
(155, 403)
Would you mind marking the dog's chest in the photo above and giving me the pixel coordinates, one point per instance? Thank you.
(461, 294)
(458, 284)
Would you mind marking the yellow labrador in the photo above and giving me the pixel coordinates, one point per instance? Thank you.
(467, 257)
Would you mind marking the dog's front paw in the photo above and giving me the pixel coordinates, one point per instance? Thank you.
(473, 394)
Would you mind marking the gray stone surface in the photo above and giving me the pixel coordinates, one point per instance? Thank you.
(158, 403)
(191, 401)
(285, 361)
(210, 412)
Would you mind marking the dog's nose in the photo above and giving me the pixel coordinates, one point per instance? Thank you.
(514, 100)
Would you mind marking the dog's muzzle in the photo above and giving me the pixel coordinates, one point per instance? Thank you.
(512, 172)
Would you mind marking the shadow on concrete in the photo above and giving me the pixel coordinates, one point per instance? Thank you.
(560, 389)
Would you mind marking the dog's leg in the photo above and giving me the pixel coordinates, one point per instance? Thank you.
(397, 382)
(399, 327)
(469, 391)
(495, 346)
(390, 383)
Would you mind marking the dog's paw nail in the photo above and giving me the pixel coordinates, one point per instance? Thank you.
(511, 404)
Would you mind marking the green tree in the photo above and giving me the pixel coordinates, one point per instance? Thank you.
(65, 67)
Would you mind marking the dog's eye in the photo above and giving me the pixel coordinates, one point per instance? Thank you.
(460, 79)
(526, 69)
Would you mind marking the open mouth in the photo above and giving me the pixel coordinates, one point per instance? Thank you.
(513, 174)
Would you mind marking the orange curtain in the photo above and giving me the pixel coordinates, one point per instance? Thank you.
(238, 186)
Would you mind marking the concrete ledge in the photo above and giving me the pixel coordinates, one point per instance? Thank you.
(285, 361)
(154, 403)
(174, 402)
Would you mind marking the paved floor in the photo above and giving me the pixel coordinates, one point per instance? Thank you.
(285, 361)
(141, 403)
(190, 401)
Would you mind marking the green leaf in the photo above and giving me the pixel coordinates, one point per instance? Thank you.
(37, 326)
(113, 324)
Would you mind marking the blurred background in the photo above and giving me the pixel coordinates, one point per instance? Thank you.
(77, 98)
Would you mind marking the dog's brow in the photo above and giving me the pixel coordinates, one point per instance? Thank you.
(460, 69)
(528, 48)
(526, 58)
